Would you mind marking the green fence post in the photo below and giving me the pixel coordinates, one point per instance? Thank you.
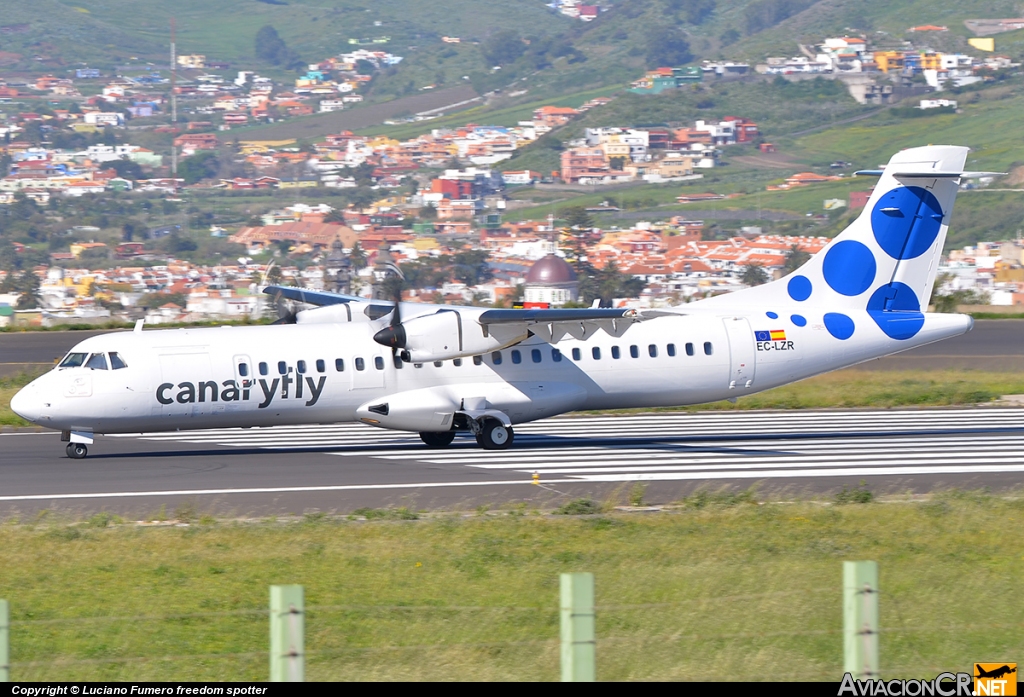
(5, 641)
(578, 639)
(287, 629)
(860, 619)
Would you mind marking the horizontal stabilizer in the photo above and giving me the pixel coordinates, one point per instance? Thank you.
(930, 175)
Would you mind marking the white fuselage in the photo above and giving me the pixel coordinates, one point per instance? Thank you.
(323, 373)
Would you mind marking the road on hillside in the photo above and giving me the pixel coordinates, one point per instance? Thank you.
(357, 117)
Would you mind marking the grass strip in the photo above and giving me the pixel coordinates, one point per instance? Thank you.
(720, 588)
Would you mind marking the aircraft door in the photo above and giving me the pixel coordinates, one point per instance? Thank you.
(183, 372)
(245, 378)
(741, 353)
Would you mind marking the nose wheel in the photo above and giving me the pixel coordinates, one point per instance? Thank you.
(77, 451)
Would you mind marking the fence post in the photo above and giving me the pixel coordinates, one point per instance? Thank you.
(578, 639)
(5, 641)
(860, 619)
(287, 630)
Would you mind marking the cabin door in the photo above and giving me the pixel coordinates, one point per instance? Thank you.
(741, 353)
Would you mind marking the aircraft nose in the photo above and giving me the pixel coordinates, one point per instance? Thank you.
(28, 404)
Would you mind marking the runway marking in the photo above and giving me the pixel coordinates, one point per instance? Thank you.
(648, 447)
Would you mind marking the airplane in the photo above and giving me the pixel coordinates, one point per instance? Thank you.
(438, 370)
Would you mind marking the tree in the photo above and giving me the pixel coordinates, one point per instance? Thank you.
(471, 267)
(270, 47)
(126, 169)
(128, 231)
(694, 11)
(202, 165)
(754, 275)
(357, 256)
(667, 47)
(427, 213)
(576, 217)
(795, 258)
(274, 276)
(333, 216)
(503, 48)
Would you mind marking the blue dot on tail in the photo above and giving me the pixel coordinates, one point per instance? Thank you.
(849, 267)
(896, 310)
(906, 221)
(798, 320)
(772, 315)
(799, 288)
(839, 325)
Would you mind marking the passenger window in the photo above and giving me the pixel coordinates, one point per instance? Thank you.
(339, 365)
(596, 353)
(556, 355)
(616, 353)
(438, 364)
(496, 357)
(321, 367)
(73, 360)
(398, 362)
(652, 351)
(301, 366)
(634, 352)
(517, 357)
(576, 355)
(708, 348)
(671, 348)
(378, 362)
(263, 369)
(478, 360)
(535, 354)
(689, 349)
(282, 367)
(360, 364)
(457, 362)
(97, 361)
(116, 362)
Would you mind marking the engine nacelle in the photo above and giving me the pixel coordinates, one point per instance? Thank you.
(445, 335)
(415, 410)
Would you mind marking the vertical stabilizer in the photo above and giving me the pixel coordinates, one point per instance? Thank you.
(886, 260)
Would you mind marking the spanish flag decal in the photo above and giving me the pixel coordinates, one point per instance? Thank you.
(778, 335)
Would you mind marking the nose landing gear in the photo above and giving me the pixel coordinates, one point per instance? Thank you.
(77, 451)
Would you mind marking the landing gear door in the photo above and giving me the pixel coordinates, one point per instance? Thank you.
(741, 353)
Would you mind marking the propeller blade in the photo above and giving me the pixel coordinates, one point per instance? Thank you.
(285, 311)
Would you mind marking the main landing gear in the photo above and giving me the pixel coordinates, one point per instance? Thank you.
(437, 439)
(77, 451)
(494, 435)
(490, 434)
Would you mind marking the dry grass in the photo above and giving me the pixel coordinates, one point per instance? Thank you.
(721, 588)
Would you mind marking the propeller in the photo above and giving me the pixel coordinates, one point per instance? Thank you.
(393, 336)
(286, 311)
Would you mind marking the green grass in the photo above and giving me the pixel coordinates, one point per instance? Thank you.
(718, 589)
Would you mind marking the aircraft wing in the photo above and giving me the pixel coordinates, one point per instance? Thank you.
(313, 297)
(553, 325)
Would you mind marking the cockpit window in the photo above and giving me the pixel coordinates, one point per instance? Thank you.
(97, 361)
(116, 362)
(73, 360)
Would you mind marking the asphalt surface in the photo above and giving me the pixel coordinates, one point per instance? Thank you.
(992, 345)
(299, 469)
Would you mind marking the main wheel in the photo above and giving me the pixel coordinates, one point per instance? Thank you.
(437, 439)
(495, 435)
(77, 451)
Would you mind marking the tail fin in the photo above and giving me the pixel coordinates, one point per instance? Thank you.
(888, 257)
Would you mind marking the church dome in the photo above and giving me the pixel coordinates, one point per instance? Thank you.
(551, 270)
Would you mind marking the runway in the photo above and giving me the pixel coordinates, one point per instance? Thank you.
(296, 469)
